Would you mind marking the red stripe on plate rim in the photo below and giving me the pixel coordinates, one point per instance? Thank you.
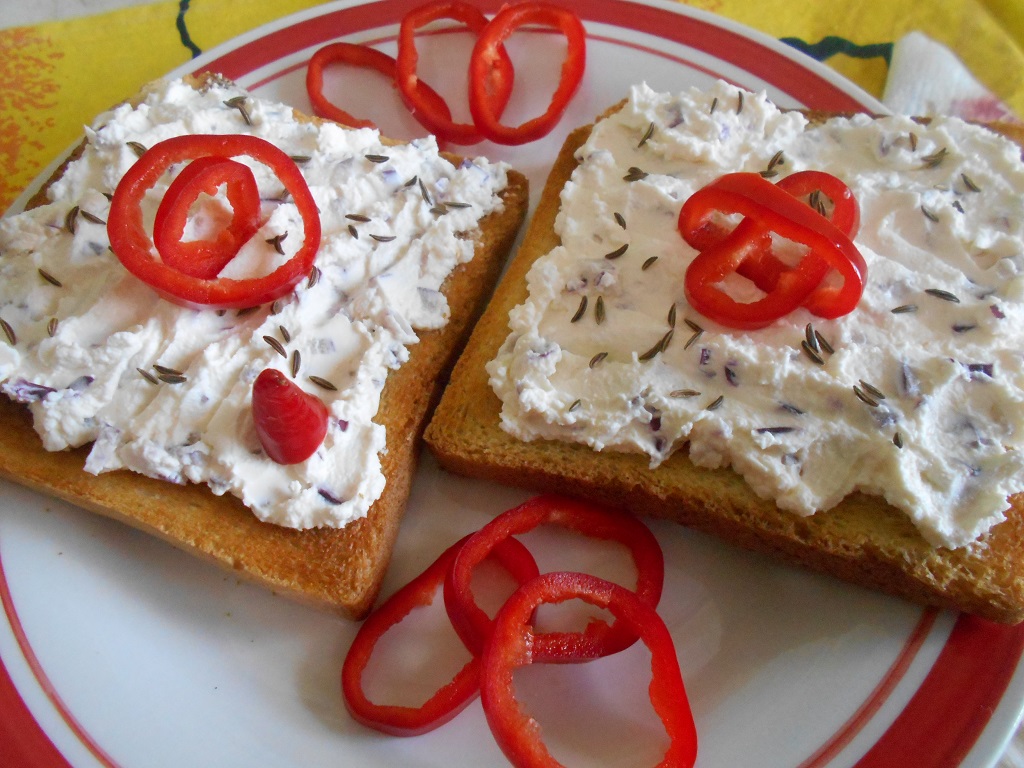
(23, 742)
(862, 716)
(950, 709)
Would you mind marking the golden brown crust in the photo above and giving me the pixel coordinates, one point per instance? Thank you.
(336, 569)
(863, 540)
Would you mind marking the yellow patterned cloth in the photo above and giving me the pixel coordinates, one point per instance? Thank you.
(55, 77)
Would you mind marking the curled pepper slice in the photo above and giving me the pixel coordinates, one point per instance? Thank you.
(369, 58)
(487, 57)
(599, 638)
(496, 84)
(206, 258)
(133, 245)
(772, 209)
(452, 697)
(513, 644)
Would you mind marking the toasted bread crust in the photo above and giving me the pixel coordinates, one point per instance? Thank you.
(863, 540)
(335, 569)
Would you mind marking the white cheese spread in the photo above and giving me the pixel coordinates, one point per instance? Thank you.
(166, 391)
(934, 348)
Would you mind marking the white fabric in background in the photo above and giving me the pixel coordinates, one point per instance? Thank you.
(926, 78)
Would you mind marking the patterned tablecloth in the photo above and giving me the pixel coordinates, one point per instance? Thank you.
(941, 56)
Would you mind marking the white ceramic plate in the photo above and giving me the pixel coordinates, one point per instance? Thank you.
(118, 650)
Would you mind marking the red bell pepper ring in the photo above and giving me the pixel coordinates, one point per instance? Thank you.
(513, 644)
(368, 58)
(496, 84)
(206, 258)
(452, 697)
(772, 209)
(133, 246)
(599, 638)
(486, 59)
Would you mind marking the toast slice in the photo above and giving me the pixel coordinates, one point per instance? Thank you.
(337, 569)
(863, 539)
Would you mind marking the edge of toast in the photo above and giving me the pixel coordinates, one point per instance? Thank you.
(335, 569)
(863, 540)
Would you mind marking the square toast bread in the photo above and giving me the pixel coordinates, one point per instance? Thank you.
(863, 540)
(336, 569)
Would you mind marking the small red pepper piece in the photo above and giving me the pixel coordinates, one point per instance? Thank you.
(495, 85)
(206, 258)
(772, 209)
(365, 57)
(598, 639)
(290, 423)
(451, 698)
(487, 56)
(513, 644)
(133, 246)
